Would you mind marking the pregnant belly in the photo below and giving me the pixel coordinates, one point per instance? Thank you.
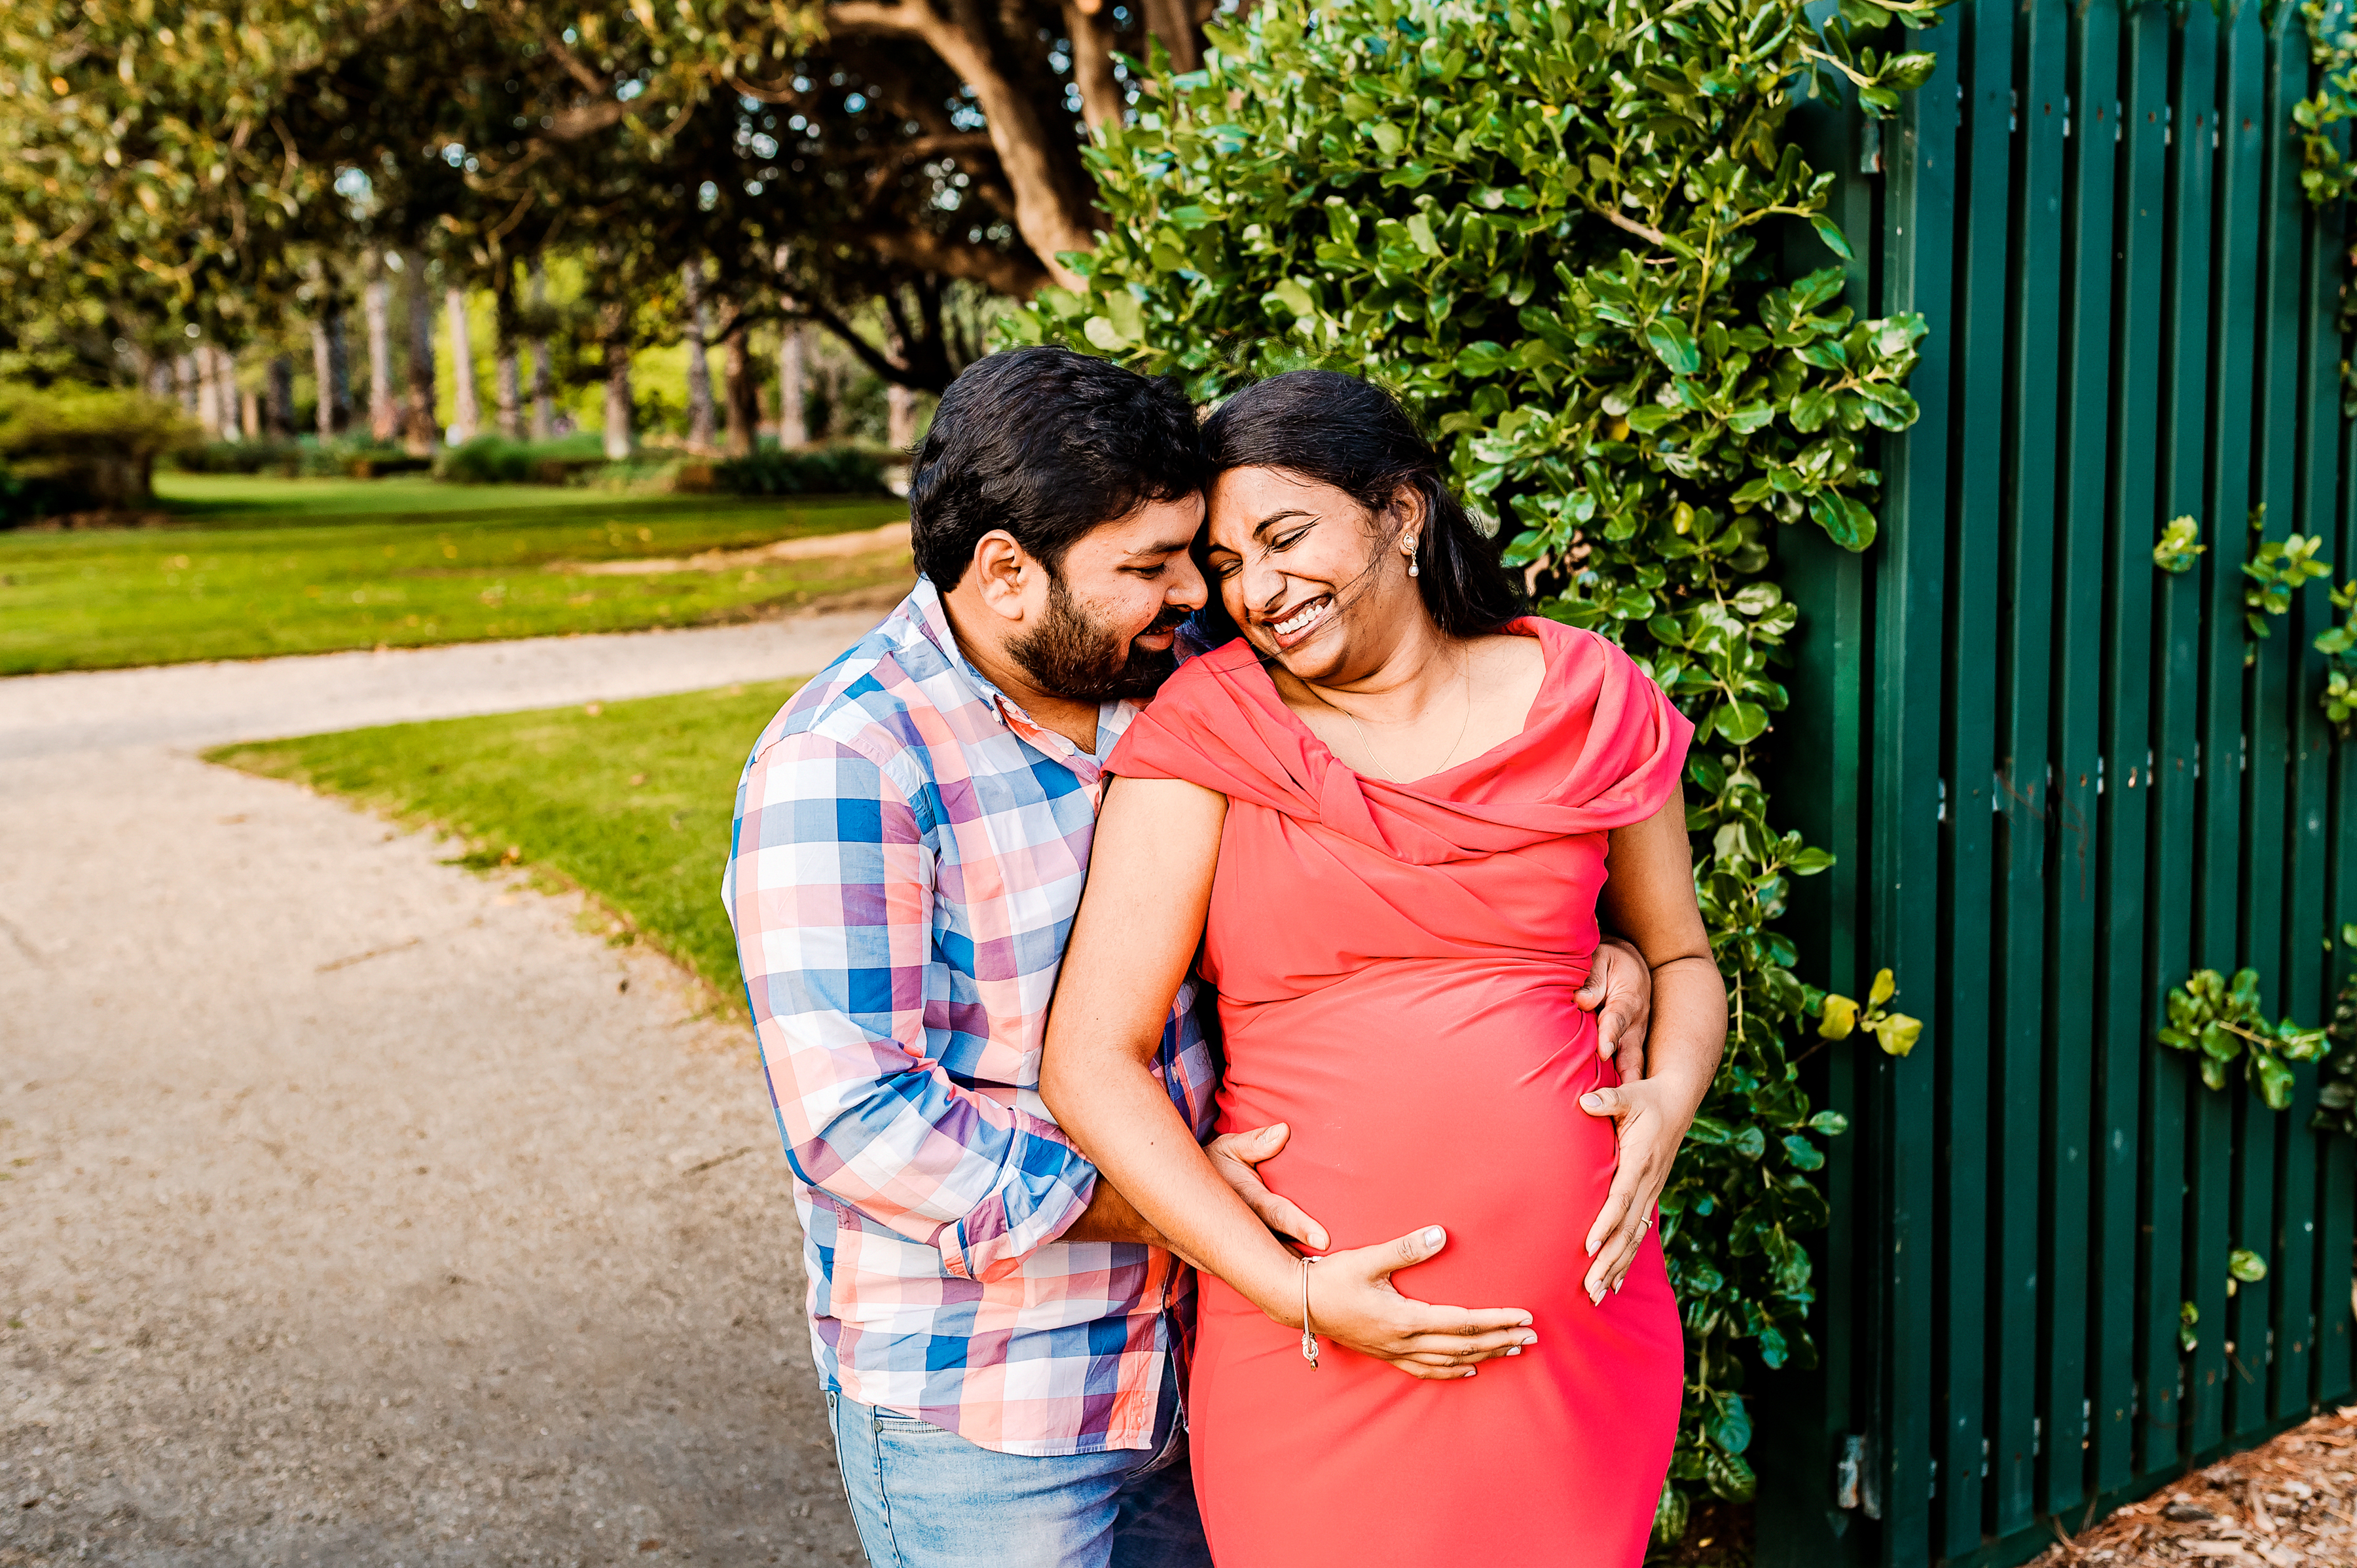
(1424, 1094)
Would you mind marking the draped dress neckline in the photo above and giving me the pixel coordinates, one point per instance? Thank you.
(1545, 781)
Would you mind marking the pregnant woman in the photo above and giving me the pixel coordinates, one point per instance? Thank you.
(1385, 814)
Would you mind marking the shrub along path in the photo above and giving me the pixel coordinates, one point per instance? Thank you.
(256, 567)
(356, 1210)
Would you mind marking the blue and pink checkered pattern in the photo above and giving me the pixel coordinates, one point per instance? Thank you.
(909, 853)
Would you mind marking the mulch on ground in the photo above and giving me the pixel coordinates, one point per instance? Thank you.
(2291, 1504)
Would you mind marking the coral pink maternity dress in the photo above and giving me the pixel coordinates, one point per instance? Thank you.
(1395, 966)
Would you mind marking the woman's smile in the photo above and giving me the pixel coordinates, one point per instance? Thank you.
(1296, 623)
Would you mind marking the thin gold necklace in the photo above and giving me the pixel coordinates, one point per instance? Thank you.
(1465, 669)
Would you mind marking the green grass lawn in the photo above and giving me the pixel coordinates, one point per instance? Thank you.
(631, 801)
(260, 567)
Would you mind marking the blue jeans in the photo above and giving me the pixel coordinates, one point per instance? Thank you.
(924, 1498)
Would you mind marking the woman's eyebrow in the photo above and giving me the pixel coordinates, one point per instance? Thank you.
(1272, 519)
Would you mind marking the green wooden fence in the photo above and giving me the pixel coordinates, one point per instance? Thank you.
(2058, 783)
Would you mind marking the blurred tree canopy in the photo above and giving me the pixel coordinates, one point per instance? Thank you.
(166, 165)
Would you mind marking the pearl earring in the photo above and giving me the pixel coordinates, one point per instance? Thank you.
(1409, 551)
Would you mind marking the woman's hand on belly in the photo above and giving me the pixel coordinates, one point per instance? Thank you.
(1653, 1116)
(1353, 1303)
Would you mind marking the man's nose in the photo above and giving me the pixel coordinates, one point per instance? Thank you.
(1184, 586)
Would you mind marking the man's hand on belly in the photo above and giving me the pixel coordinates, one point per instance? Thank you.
(1620, 992)
(1237, 1157)
(1110, 1217)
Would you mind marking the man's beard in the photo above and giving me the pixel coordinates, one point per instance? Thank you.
(1073, 657)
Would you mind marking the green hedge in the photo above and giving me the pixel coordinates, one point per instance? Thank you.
(301, 456)
(67, 448)
(1556, 233)
(501, 460)
(841, 469)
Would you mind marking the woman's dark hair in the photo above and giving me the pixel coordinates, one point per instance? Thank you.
(1350, 433)
(1047, 445)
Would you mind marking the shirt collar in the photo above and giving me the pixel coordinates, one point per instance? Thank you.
(929, 620)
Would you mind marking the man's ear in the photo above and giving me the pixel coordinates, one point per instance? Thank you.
(1003, 570)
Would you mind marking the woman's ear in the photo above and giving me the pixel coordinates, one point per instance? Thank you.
(1407, 504)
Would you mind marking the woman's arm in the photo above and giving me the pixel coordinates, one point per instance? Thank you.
(1158, 842)
(1649, 896)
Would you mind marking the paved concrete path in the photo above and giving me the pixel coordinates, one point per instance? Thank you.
(355, 1210)
(208, 704)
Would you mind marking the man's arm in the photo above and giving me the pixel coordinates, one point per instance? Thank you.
(830, 888)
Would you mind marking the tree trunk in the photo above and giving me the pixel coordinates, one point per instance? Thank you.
(743, 395)
(1086, 25)
(510, 394)
(1050, 216)
(279, 411)
(793, 388)
(616, 333)
(250, 411)
(467, 415)
(900, 417)
(323, 371)
(203, 363)
(544, 406)
(699, 368)
(384, 418)
(232, 402)
(1172, 23)
(217, 392)
(418, 428)
(339, 370)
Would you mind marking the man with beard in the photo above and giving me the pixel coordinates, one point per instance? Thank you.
(998, 1330)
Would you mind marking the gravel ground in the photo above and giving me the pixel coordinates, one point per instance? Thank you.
(355, 1210)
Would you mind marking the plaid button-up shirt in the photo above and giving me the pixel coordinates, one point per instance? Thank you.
(909, 853)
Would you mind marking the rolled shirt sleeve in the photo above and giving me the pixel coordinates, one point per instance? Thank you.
(830, 888)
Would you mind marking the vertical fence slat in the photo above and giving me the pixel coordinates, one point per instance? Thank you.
(1910, 568)
(2273, 421)
(2122, 1030)
(2235, 264)
(2028, 577)
(1806, 1416)
(1965, 1004)
(2091, 117)
(2307, 971)
(2169, 1077)
(2337, 1205)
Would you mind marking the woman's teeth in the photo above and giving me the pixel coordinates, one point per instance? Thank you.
(1302, 618)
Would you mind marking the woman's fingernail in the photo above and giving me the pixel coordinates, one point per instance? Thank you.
(1530, 1338)
(1515, 1351)
(1470, 1370)
(1618, 1282)
(1432, 1238)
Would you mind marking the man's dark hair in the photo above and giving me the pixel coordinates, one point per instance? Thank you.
(1047, 445)
(1350, 433)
